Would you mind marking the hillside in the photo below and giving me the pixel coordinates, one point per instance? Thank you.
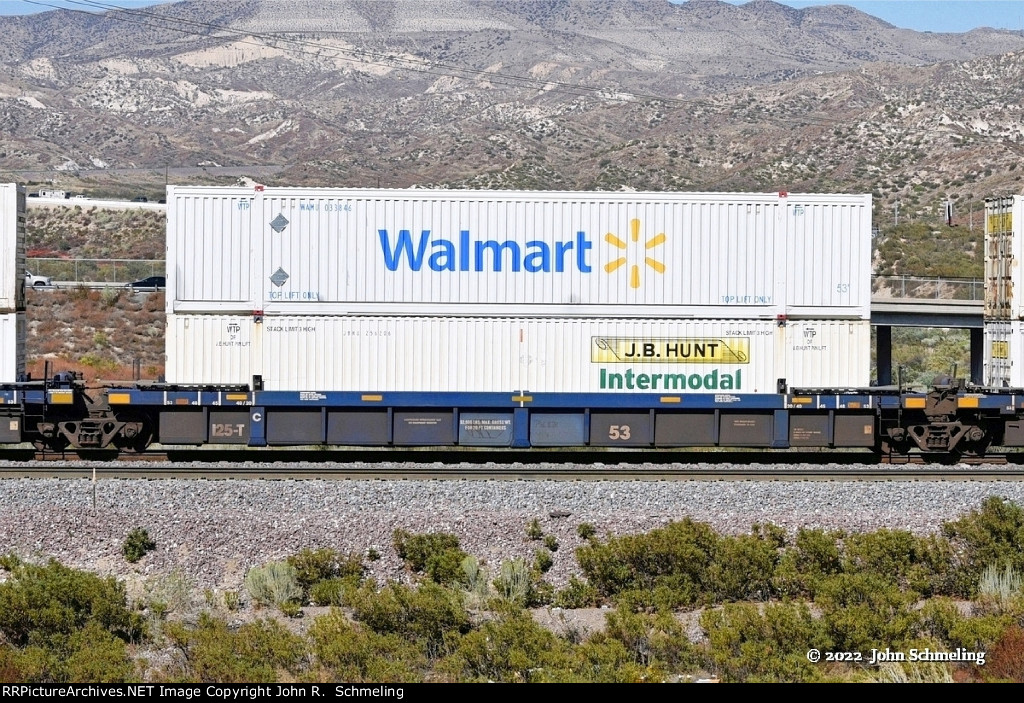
(546, 94)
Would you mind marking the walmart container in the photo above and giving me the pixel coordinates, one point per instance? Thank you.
(302, 251)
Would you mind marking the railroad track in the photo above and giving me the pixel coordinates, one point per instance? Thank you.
(505, 472)
(503, 465)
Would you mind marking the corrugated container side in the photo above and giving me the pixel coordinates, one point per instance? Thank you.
(211, 254)
(421, 252)
(12, 247)
(1004, 252)
(829, 256)
(1004, 354)
(832, 354)
(12, 346)
(538, 355)
(209, 349)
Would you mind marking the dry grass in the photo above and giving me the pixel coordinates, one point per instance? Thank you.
(101, 334)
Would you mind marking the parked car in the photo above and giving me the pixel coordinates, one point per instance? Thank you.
(150, 283)
(33, 280)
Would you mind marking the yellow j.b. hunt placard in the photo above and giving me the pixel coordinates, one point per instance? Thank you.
(670, 350)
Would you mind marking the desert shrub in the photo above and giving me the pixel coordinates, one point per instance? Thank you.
(170, 593)
(110, 297)
(474, 577)
(333, 591)
(436, 554)
(656, 641)
(866, 611)
(551, 542)
(514, 581)
(43, 604)
(675, 557)
(313, 566)
(921, 564)
(254, 653)
(429, 614)
(999, 590)
(509, 648)
(751, 644)
(232, 601)
(348, 652)
(1005, 661)
(941, 619)
(543, 561)
(137, 545)
(585, 530)
(273, 584)
(813, 555)
(745, 565)
(576, 594)
(994, 534)
(533, 530)
(916, 672)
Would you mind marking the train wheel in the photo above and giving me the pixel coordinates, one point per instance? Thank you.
(135, 436)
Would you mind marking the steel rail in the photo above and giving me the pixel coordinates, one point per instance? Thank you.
(517, 472)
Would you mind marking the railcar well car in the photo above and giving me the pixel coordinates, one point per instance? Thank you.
(408, 318)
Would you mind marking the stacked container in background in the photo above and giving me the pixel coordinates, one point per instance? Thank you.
(1004, 307)
(12, 282)
(467, 291)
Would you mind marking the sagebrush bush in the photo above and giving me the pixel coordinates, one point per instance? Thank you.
(999, 589)
(273, 584)
(514, 581)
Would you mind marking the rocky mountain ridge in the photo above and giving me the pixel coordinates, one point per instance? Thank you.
(568, 94)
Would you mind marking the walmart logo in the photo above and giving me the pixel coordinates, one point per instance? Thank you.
(427, 250)
(634, 270)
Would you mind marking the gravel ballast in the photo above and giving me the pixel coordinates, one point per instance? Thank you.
(212, 531)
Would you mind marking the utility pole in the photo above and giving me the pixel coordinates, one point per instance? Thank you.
(896, 214)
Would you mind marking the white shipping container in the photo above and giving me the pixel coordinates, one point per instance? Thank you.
(1004, 354)
(507, 253)
(12, 247)
(1004, 252)
(537, 355)
(12, 346)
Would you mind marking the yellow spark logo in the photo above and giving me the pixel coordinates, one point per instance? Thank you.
(634, 271)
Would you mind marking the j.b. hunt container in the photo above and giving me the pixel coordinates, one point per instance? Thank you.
(505, 253)
(539, 355)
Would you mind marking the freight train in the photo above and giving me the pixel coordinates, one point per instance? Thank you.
(520, 320)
